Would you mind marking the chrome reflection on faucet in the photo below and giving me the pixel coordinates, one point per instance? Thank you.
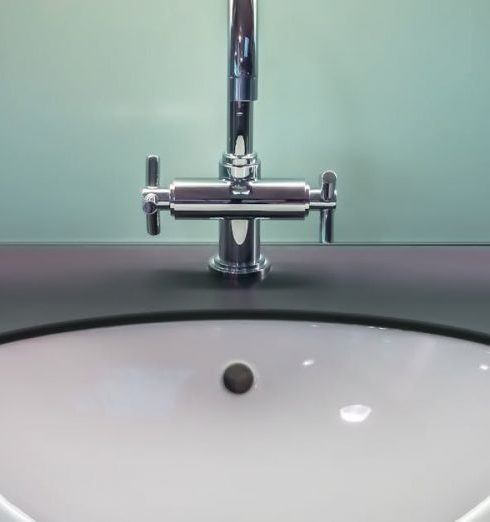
(239, 198)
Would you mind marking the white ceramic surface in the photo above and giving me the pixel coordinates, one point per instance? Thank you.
(344, 424)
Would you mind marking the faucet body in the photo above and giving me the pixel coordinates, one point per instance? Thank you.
(239, 239)
(239, 199)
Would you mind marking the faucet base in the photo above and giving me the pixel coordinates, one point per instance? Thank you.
(259, 269)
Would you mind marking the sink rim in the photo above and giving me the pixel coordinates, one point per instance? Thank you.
(291, 315)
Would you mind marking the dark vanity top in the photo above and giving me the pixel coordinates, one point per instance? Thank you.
(54, 288)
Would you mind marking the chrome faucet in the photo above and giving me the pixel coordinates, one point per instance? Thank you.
(239, 198)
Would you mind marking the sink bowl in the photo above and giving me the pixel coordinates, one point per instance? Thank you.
(342, 423)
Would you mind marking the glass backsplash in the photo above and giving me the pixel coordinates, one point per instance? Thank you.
(393, 95)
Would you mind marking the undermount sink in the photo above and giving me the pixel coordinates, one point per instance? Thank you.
(342, 423)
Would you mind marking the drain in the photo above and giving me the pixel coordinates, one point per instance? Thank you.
(238, 378)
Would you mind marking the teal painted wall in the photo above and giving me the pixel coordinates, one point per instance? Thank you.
(393, 95)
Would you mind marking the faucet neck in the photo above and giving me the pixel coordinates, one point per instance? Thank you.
(242, 50)
(242, 75)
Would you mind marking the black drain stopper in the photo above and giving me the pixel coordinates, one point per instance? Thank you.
(238, 378)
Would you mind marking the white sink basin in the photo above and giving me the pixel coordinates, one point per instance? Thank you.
(343, 423)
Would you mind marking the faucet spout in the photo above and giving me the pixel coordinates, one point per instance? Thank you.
(242, 49)
(242, 75)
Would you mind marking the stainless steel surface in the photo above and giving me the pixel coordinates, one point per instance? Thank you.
(240, 253)
(239, 241)
(242, 50)
(150, 200)
(328, 181)
(239, 198)
(239, 167)
(153, 171)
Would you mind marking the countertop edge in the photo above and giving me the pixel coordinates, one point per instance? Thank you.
(432, 289)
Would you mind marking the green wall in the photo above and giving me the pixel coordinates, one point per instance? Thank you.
(393, 95)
